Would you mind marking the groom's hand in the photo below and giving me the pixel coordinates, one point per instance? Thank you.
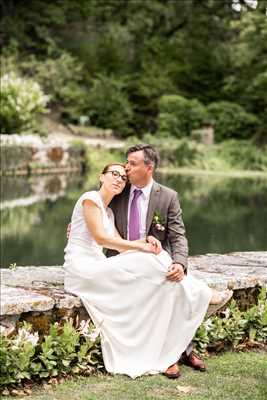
(175, 273)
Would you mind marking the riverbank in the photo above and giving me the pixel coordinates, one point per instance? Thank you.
(57, 153)
(63, 151)
(227, 156)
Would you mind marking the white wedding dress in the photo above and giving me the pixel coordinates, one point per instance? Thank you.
(145, 321)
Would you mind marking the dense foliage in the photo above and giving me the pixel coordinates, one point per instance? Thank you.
(112, 61)
(65, 349)
(68, 349)
(236, 329)
(178, 116)
(228, 155)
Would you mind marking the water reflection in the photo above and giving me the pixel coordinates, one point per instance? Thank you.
(34, 214)
(221, 215)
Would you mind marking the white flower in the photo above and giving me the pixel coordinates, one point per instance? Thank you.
(84, 327)
(237, 7)
(252, 3)
(33, 338)
(84, 330)
(25, 336)
(159, 227)
(2, 330)
(94, 334)
(208, 324)
(226, 313)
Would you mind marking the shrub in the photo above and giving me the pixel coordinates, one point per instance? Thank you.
(178, 116)
(65, 350)
(16, 356)
(60, 74)
(177, 152)
(235, 327)
(243, 155)
(22, 102)
(183, 153)
(231, 121)
(226, 156)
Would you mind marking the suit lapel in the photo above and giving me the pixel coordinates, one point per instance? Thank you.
(152, 205)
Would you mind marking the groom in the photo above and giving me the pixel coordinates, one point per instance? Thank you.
(147, 208)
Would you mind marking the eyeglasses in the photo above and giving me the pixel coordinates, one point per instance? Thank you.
(117, 175)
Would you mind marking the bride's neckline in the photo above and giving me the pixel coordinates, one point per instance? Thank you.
(102, 201)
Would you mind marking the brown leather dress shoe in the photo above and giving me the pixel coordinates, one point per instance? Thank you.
(194, 361)
(173, 372)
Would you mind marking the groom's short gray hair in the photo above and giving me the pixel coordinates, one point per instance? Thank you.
(151, 156)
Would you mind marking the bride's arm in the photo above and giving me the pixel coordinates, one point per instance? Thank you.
(93, 219)
(117, 235)
(150, 239)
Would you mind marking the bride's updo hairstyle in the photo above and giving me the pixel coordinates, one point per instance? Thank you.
(106, 168)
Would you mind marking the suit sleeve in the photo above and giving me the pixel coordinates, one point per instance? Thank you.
(176, 233)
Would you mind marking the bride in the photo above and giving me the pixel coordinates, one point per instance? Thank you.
(145, 320)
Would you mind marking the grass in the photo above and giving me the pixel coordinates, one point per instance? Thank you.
(230, 376)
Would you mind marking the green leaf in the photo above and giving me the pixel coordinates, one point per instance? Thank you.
(44, 374)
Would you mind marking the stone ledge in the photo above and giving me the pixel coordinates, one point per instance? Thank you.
(18, 300)
(240, 270)
(33, 276)
(39, 290)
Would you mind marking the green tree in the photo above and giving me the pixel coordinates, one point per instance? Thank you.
(199, 49)
(247, 81)
(108, 105)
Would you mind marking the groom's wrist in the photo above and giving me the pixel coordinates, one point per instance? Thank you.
(182, 265)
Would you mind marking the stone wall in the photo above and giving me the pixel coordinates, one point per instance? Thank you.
(36, 294)
(31, 154)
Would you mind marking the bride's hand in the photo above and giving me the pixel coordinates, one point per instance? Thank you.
(148, 248)
(155, 242)
(151, 246)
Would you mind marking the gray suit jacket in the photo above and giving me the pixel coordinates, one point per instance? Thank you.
(165, 202)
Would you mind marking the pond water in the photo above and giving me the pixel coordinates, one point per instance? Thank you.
(221, 215)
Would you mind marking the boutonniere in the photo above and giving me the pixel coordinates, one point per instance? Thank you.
(158, 221)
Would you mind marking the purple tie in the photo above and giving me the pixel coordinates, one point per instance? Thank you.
(134, 218)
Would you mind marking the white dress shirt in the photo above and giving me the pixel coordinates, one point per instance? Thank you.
(142, 203)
